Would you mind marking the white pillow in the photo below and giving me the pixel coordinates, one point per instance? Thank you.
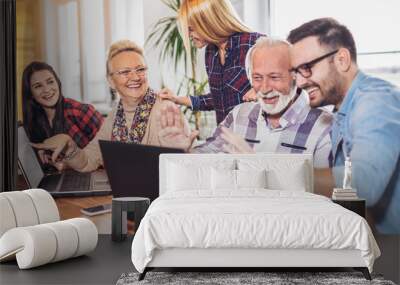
(183, 177)
(293, 180)
(251, 178)
(227, 179)
(193, 174)
(282, 174)
(223, 179)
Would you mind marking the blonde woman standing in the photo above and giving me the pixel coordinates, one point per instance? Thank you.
(214, 24)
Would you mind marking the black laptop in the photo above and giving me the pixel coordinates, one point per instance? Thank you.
(133, 168)
(65, 183)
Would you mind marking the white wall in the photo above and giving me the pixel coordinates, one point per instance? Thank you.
(92, 31)
(50, 31)
(61, 47)
(153, 11)
(256, 14)
(127, 18)
(75, 46)
(69, 56)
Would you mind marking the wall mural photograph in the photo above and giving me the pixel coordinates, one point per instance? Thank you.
(152, 138)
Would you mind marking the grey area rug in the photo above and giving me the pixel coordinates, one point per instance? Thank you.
(228, 278)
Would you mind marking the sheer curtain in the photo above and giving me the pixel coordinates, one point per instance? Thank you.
(8, 145)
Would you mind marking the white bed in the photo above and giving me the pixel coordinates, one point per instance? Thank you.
(201, 219)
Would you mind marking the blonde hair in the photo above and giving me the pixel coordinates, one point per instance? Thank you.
(121, 46)
(214, 20)
(262, 42)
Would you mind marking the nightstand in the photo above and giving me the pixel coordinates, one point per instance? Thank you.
(357, 206)
(121, 207)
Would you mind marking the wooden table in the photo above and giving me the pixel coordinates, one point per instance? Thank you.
(70, 207)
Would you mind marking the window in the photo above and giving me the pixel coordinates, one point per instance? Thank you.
(373, 24)
(77, 35)
(73, 48)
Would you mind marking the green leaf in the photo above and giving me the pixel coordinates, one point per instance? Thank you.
(165, 36)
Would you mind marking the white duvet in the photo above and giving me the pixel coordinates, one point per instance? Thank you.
(250, 219)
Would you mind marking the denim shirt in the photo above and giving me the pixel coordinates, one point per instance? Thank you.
(367, 128)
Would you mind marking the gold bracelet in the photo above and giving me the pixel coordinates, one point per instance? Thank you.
(71, 154)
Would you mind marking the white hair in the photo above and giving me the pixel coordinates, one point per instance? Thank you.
(262, 42)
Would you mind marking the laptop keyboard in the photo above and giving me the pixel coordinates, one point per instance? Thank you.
(75, 181)
(50, 182)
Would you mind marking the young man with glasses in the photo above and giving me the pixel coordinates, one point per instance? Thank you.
(367, 120)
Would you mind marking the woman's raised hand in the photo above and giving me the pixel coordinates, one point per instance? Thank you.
(172, 133)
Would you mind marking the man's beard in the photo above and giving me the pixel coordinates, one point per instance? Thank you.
(331, 92)
(332, 96)
(281, 105)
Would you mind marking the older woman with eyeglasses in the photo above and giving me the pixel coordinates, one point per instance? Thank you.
(134, 119)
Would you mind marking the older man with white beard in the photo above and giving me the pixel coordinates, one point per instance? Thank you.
(281, 120)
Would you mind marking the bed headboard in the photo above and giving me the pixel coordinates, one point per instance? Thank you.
(273, 159)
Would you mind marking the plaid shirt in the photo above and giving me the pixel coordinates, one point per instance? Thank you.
(302, 130)
(82, 121)
(228, 83)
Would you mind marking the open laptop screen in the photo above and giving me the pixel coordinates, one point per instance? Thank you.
(28, 161)
(133, 168)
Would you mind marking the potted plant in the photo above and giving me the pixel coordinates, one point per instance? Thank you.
(165, 36)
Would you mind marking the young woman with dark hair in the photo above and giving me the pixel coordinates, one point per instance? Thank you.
(46, 112)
